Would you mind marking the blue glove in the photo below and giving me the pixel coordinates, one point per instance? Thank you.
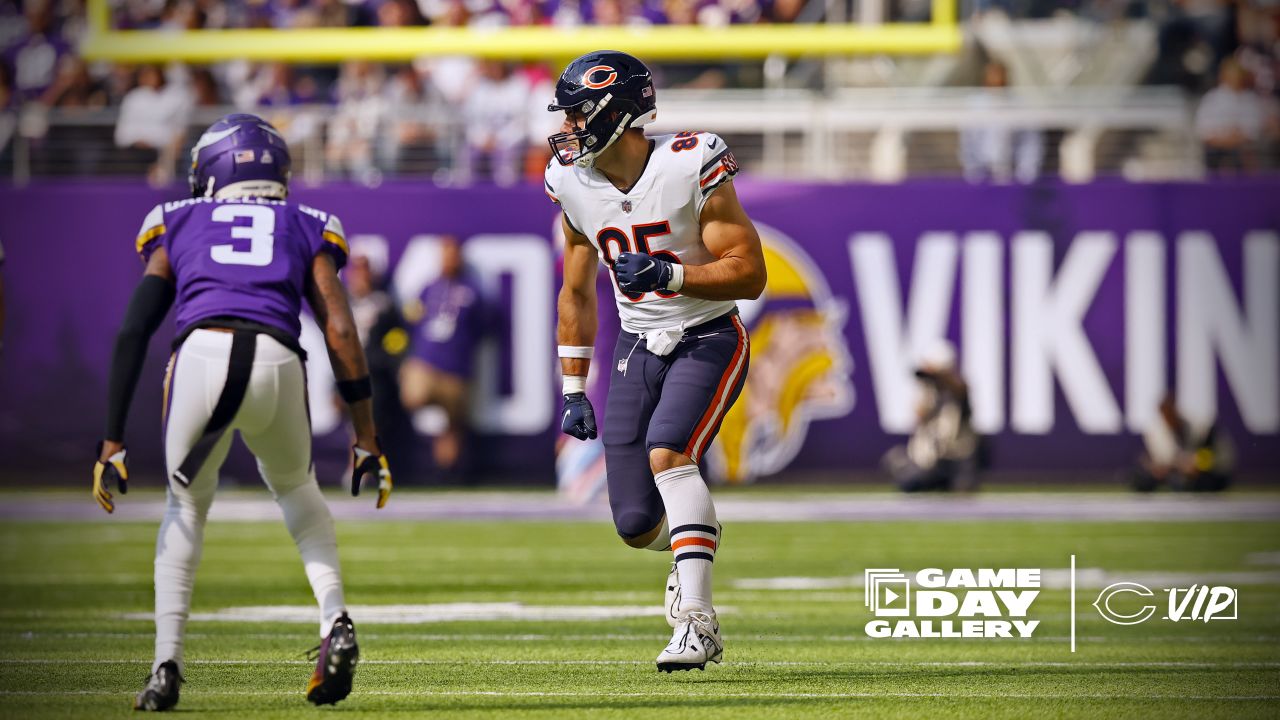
(578, 419)
(641, 273)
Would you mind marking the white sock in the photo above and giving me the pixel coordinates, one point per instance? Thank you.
(311, 525)
(694, 533)
(178, 549)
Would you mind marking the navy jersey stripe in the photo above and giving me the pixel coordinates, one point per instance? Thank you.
(712, 162)
(695, 556)
(706, 191)
(693, 528)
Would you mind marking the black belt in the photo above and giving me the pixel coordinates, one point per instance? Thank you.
(228, 322)
(239, 369)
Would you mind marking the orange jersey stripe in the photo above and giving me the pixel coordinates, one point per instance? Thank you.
(683, 542)
(712, 176)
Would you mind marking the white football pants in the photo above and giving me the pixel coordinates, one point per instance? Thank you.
(274, 423)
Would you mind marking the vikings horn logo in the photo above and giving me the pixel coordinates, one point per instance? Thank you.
(800, 367)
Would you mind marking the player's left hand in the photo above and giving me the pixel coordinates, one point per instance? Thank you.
(579, 419)
(109, 468)
(641, 273)
(373, 464)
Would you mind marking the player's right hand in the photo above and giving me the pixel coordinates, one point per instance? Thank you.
(579, 418)
(109, 468)
(374, 465)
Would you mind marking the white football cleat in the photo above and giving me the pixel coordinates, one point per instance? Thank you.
(695, 642)
(672, 600)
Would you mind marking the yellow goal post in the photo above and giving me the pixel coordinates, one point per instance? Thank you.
(663, 42)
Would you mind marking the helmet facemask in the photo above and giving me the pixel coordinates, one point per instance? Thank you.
(581, 147)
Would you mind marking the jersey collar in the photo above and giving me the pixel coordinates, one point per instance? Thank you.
(639, 180)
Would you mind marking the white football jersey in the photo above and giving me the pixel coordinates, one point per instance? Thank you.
(658, 216)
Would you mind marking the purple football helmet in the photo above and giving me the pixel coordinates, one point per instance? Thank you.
(238, 148)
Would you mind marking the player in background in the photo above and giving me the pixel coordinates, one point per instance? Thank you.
(239, 259)
(662, 213)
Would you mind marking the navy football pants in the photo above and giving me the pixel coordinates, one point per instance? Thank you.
(676, 402)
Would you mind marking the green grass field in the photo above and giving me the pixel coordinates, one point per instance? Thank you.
(72, 643)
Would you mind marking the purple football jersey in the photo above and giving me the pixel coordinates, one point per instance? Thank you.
(246, 258)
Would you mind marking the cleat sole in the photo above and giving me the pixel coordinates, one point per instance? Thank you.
(340, 666)
(670, 667)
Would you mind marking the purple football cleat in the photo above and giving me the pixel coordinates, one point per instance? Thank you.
(336, 659)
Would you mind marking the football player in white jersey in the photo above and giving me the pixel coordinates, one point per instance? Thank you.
(662, 214)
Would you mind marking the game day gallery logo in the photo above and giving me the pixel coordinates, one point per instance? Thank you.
(960, 603)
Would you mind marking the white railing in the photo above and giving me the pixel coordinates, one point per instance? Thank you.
(882, 135)
(884, 120)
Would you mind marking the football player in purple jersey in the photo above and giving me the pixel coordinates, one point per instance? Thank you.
(237, 260)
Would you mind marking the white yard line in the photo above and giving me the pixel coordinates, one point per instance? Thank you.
(1050, 579)
(749, 663)
(636, 637)
(537, 506)
(684, 696)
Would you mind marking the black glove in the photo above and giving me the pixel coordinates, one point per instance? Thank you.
(641, 273)
(579, 419)
(374, 465)
(104, 473)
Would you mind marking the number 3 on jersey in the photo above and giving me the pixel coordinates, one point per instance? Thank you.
(260, 232)
(613, 242)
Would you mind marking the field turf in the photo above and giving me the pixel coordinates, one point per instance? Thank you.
(75, 642)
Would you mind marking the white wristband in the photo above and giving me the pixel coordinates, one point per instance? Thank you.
(677, 277)
(576, 351)
(574, 384)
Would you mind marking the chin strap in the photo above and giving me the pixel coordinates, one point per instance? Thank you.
(589, 159)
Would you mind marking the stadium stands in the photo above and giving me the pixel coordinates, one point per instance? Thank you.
(1076, 74)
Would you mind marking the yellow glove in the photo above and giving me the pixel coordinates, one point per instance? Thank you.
(367, 463)
(104, 473)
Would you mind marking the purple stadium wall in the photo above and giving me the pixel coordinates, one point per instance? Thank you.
(1073, 308)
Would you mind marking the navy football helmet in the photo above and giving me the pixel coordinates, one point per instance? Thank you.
(240, 148)
(613, 91)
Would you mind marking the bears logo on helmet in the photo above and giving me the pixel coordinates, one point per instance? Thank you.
(606, 93)
(597, 84)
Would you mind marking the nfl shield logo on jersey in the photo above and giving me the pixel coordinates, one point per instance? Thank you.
(626, 206)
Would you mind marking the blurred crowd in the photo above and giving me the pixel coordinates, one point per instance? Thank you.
(367, 119)
(421, 357)
(1229, 51)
